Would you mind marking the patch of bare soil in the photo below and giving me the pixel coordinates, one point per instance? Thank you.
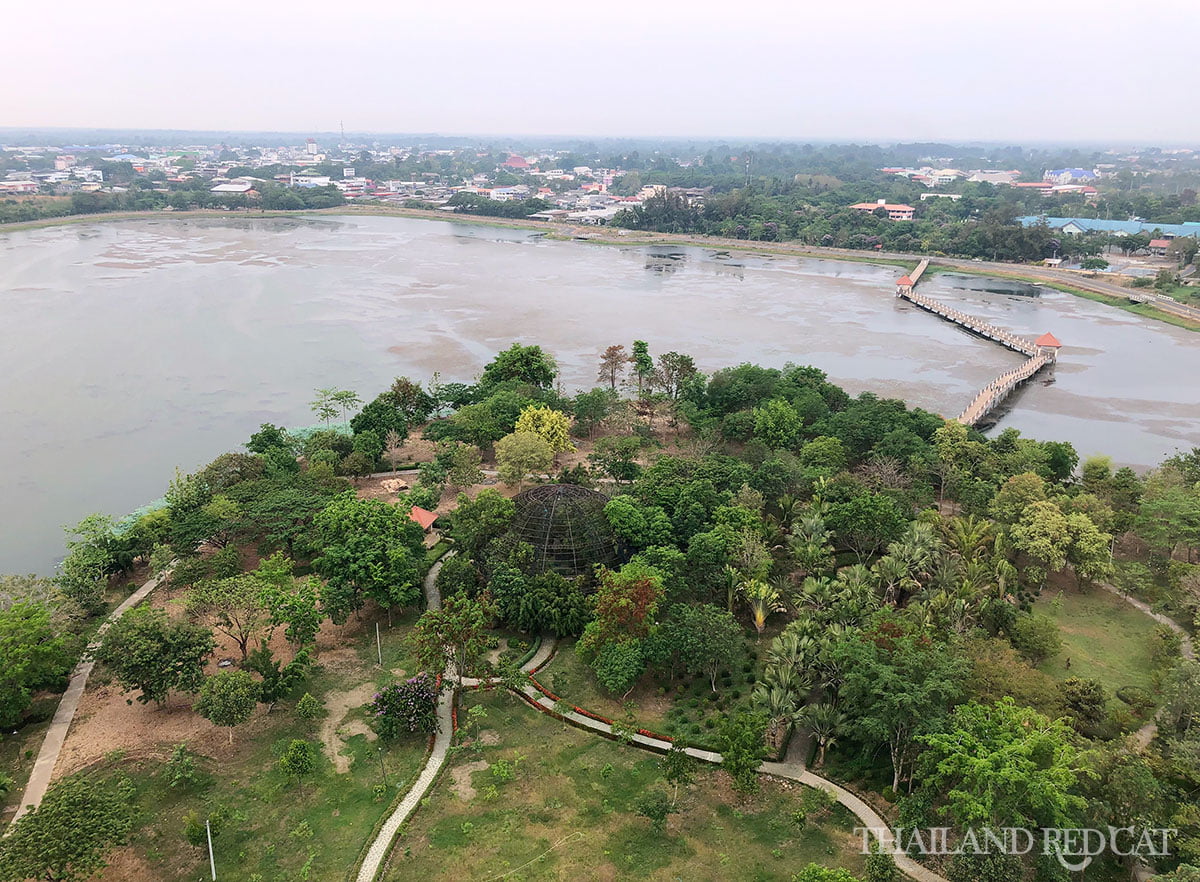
(461, 779)
(333, 733)
(126, 865)
(490, 737)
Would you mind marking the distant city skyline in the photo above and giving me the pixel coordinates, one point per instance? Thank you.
(1023, 72)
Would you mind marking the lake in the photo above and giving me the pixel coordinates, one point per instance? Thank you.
(138, 347)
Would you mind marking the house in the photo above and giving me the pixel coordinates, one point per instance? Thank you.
(1158, 247)
(894, 212)
(422, 517)
(1069, 175)
(19, 187)
(309, 180)
(233, 187)
(515, 161)
(1073, 226)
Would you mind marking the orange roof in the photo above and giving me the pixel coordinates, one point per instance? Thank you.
(423, 517)
(1160, 243)
(905, 280)
(1046, 339)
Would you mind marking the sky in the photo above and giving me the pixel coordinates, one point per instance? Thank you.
(1015, 71)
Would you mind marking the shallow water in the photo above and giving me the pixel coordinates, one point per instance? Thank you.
(134, 348)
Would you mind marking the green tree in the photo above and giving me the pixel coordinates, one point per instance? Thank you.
(235, 606)
(519, 454)
(308, 708)
(465, 465)
(698, 639)
(656, 807)
(228, 699)
(35, 657)
(740, 741)
(476, 522)
(89, 560)
(643, 366)
(526, 364)
(456, 633)
(896, 684)
(865, 523)
(299, 759)
(817, 873)
(148, 652)
(1035, 636)
(296, 606)
(763, 599)
(678, 768)
(1004, 766)
(778, 424)
(1043, 536)
(68, 836)
(370, 549)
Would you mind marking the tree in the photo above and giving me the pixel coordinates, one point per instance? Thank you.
(384, 418)
(674, 372)
(552, 426)
(643, 366)
(35, 657)
(526, 364)
(370, 549)
(612, 366)
(740, 741)
(148, 652)
(234, 605)
(456, 633)
(656, 807)
(519, 454)
(1004, 766)
(896, 684)
(296, 606)
(67, 837)
(699, 639)
(591, 409)
(1043, 535)
(404, 708)
(309, 708)
(228, 698)
(678, 768)
(324, 406)
(817, 873)
(277, 679)
(778, 424)
(299, 759)
(866, 523)
(827, 724)
(465, 465)
(763, 599)
(89, 560)
(476, 522)
(1016, 496)
(1035, 636)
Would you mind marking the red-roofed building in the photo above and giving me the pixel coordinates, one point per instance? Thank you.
(894, 212)
(1159, 246)
(1048, 344)
(423, 517)
(905, 282)
(515, 161)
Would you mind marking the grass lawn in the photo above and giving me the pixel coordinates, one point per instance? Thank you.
(1104, 638)
(19, 750)
(276, 828)
(553, 802)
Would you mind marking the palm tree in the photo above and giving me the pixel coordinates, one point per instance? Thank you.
(763, 600)
(826, 723)
(967, 536)
(815, 594)
(779, 695)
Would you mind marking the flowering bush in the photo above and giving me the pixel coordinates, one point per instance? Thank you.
(407, 707)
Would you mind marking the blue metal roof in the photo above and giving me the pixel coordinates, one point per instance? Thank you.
(1098, 225)
(1073, 172)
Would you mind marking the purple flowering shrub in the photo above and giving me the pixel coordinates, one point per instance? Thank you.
(404, 708)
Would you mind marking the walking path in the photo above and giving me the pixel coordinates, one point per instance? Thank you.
(794, 771)
(47, 759)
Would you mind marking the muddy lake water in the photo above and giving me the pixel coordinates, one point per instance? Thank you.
(135, 347)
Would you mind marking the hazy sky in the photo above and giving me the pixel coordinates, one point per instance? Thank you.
(871, 69)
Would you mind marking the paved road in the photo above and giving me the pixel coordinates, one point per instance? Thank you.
(43, 767)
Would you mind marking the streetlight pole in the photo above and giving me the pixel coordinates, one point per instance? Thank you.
(211, 863)
(382, 769)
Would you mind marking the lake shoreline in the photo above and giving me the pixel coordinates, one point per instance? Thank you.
(626, 238)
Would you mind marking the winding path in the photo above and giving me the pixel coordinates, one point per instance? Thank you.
(794, 771)
(47, 759)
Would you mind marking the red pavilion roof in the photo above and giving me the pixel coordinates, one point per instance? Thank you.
(1047, 339)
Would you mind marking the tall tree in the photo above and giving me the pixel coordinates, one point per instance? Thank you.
(150, 653)
(370, 549)
(643, 366)
(235, 606)
(456, 633)
(35, 657)
(228, 699)
(68, 836)
(526, 364)
(612, 366)
(522, 453)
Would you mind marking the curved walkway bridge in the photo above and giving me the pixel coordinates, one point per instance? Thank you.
(1038, 353)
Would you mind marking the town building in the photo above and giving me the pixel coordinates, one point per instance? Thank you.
(900, 212)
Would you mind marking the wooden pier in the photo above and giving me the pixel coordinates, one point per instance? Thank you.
(1038, 353)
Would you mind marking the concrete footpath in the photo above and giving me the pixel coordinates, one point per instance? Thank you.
(43, 767)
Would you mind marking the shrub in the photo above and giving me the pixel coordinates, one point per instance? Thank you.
(404, 708)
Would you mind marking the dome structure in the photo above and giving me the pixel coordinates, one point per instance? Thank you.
(566, 526)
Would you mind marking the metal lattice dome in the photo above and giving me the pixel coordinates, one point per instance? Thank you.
(566, 526)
